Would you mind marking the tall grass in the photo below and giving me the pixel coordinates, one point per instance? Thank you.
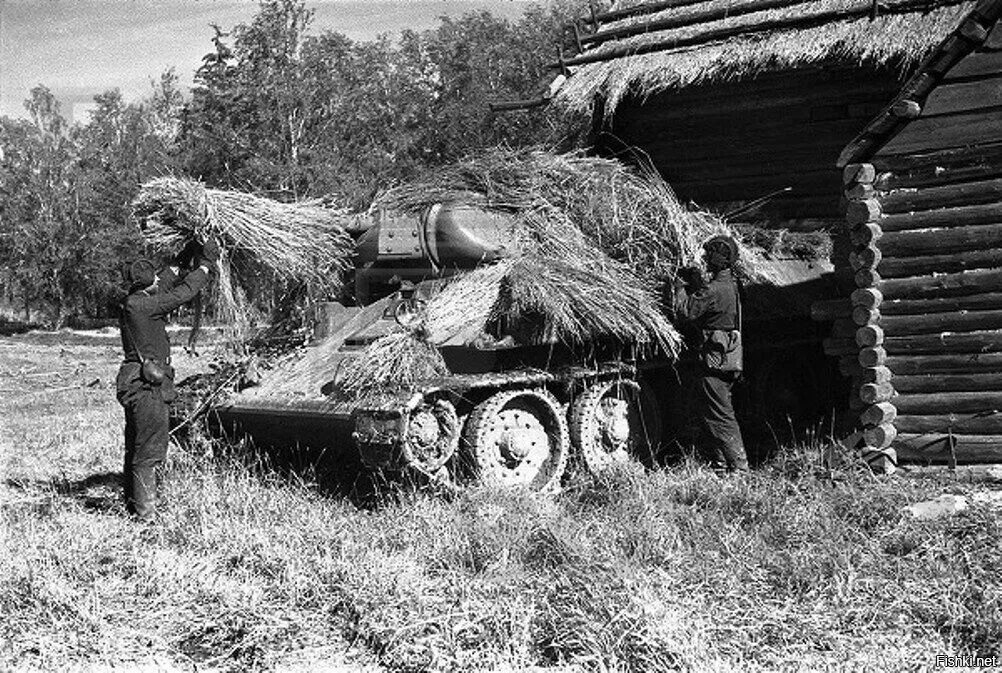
(796, 567)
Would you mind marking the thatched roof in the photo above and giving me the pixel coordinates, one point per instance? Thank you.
(749, 42)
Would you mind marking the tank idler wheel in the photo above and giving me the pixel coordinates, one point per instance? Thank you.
(432, 437)
(608, 424)
(518, 438)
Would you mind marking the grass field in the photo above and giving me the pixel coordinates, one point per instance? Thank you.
(794, 568)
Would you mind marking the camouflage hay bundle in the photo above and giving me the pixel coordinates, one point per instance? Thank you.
(548, 300)
(631, 217)
(300, 242)
(394, 363)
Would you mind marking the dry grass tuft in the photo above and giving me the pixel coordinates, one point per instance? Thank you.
(391, 364)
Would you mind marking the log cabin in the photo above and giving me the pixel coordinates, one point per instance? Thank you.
(735, 100)
(923, 189)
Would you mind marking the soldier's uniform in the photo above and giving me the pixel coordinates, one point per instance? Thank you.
(144, 336)
(715, 310)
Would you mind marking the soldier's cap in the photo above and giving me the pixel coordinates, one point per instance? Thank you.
(139, 273)
(723, 242)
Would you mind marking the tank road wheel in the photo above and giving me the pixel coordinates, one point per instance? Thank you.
(518, 437)
(610, 424)
(432, 437)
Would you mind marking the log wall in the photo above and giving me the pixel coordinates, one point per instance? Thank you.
(925, 356)
(921, 336)
(924, 217)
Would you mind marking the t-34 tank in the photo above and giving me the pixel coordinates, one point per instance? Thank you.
(508, 412)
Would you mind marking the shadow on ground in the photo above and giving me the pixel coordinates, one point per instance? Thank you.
(99, 492)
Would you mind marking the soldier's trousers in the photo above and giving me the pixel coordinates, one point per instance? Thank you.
(146, 435)
(721, 437)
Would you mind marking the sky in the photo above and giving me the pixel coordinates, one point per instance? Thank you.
(79, 48)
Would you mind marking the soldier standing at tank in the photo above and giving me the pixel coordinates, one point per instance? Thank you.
(145, 383)
(714, 309)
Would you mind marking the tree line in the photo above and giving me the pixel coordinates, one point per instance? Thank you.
(276, 109)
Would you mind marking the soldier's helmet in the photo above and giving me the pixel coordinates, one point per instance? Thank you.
(722, 249)
(139, 273)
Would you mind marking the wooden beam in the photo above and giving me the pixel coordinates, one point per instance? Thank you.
(965, 97)
(946, 448)
(880, 436)
(951, 284)
(949, 383)
(973, 302)
(949, 403)
(677, 20)
(901, 267)
(948, 363)
(943, 132)
(866, 297)
(956, 423)
(945, 196)
(854, 174)
(865, 234)
(875, 393)
(943, 383)
(963, 216)
(924, 167)
(875, 356)
(869, 335)
(640, 10)
(936, 241)
(877, 414)
(947, 342)
(925, 323)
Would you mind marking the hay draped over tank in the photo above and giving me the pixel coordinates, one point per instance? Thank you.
(300, 243)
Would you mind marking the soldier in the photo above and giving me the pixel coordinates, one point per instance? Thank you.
(714, 308)
(145, 383)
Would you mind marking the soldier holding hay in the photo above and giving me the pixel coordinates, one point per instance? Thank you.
(145, 383)
(714, 308)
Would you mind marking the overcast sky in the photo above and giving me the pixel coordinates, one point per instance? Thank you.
(81, 47)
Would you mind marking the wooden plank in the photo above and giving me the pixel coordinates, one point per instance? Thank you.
(685, 18)
(945, 196)
(989, 301)
(949, 403)
(946, 285)
(946, 131)
(940, 383)
(964, 96)
(978, 64)
(947, 342)
(901, 267)
(908, 364)
(994, 41)
(966, 449)
(970, 424)
(962, 321)
(922, 168)
(937, 241)
(985, 213)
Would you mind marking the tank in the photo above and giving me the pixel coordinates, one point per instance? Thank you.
(504, 414)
